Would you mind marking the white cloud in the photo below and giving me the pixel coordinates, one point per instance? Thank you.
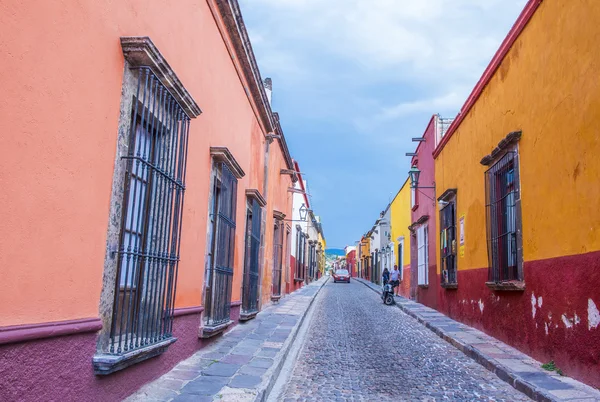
(448, 102)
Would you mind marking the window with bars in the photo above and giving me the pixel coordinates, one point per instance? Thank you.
(154, 186)
(300, 255)
(277, 257)
(448, 243)
(251, 263)
(503, 223)
(219, 275)
(401, 258)
(422, 255)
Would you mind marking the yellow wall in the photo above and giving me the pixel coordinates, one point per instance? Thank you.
(548, 87)
(400, 221)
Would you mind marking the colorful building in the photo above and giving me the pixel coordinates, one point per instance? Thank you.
(400, 216)
(145, 189)
(517, 179)
(424, 279)
(351, 260)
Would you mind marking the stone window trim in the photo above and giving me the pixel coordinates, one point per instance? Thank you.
(278, 215)
(222, 154)
(505, 145)
(254, 194)
(140, 51)
(448, 195)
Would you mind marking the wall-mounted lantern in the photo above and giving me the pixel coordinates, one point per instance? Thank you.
(414, 174)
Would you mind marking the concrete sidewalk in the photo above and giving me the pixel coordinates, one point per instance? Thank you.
(244, 363)
(511, 365)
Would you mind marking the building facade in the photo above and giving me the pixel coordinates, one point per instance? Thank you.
(517, 179)
(146, 193)
(400, 218)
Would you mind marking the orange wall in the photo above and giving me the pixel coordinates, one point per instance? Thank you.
(278, 198)
(61, 80)
(541, 90)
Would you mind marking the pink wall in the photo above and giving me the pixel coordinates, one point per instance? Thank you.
(425, 207)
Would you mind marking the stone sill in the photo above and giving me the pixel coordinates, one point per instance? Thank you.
(298, 280)
(424, 286)
(106, 363)
(511, 286)
(210, 331)
(275, 298)
(449, 286)
(245, 316)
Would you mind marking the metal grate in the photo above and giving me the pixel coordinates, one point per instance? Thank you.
(220, 273)
(300, 255)
(448, 244)
(277, 258)
(502, 193)
(148, 254)
(251, 265)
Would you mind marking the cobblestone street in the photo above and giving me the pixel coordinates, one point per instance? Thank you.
(358, 349)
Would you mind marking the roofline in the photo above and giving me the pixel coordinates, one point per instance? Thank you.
(421, 142)
(234, 22)
(401, 187)
(301, 181)
(514, 33)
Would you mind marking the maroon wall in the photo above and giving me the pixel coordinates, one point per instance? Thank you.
(564, 284)
(60, 368)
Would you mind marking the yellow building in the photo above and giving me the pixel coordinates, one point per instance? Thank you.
(518, 176)
(400, 235)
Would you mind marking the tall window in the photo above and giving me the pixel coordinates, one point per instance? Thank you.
(251, 263)
(401, 258)
(219, 275)
(448, 243)
(151, 228)
(300, 254)
(422, 255)
(503, 224)
(277, 257)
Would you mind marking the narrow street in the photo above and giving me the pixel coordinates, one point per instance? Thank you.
(358, 349)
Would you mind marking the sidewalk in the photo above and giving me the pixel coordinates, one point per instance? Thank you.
(511, 365)
(244, 363)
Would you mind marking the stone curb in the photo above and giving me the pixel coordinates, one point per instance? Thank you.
(265, 387)
(504, 373)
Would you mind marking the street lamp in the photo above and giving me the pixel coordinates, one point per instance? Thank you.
(303, 212)
(414, 174)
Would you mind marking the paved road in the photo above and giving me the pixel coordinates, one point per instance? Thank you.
(358, 349)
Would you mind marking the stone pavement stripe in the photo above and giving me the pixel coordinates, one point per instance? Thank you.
(514, 367)
(241, 365)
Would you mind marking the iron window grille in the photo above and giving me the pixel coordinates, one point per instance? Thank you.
(448, 244)
(422, 255)
(503, 223)
(277, 257)
(149, 244)
(400, 260)
(251, 263)
(219, 275)
(300, 255)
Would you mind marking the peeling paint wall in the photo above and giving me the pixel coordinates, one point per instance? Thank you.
(547, 87)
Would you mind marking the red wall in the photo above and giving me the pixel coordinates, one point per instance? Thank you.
(351, 259)
(562, 284)
(425, 207)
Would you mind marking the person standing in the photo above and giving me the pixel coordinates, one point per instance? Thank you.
(395, 280)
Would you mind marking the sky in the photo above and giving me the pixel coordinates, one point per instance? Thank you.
(355, 80)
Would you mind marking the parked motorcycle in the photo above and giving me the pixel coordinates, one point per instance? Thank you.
(387, 294)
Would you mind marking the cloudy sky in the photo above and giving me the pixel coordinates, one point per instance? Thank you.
(355, 80)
